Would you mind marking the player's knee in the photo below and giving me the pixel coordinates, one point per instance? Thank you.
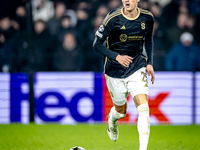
(143, 107)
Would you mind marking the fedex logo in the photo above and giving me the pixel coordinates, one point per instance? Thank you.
(68, 97)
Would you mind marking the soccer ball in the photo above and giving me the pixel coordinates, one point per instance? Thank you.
(77, 148)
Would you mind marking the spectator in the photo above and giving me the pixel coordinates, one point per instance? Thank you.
(19, 21)
(155, 9)
(102, 11)
(42, 48)
(54, 23)
(144, 4)
(6, 29)
(8, 41)
(171, 12)
(68, 56)
(72, 14)
(113, 4)
(65, 28)
(83, 19)
(84, 5)
(173, 34)
(42, 9)
(184, 56)
(83, 26)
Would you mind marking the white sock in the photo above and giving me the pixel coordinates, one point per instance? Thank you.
(143, 125)
(114, 115)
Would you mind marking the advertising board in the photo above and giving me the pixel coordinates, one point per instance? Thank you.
(14, 98)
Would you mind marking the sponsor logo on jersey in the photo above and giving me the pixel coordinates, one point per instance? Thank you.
(143, 25)
(99, 34)
(101, 28)
(135, 38)
(124, 38)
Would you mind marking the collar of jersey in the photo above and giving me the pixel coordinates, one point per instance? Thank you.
(131, 18)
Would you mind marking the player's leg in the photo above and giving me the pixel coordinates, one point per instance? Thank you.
(143, 123)
(118, 111)
(138, 87)
(113, 118)
(121, 109)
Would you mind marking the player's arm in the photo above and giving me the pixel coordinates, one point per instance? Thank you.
(101, 34)
(149, 50)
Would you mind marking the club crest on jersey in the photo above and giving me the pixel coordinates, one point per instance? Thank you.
(99, 34)
(101, 28)
(123, 37)
(143, 25)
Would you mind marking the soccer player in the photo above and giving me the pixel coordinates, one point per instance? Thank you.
(128, 31)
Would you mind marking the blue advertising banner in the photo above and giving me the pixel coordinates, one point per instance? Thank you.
(14, 98)
(73, 97)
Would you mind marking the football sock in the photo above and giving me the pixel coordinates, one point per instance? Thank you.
(143, 125)
(114, 115)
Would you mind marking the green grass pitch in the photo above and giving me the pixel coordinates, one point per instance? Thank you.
(94, 137)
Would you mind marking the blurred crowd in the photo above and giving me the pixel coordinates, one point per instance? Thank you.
(63, 34)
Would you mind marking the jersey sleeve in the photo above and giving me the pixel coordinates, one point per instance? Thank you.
(101, 34)
(149, 42)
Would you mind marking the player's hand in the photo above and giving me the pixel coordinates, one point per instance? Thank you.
(124, 60)
(150, 71)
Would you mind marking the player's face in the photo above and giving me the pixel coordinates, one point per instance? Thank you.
(130, 5)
